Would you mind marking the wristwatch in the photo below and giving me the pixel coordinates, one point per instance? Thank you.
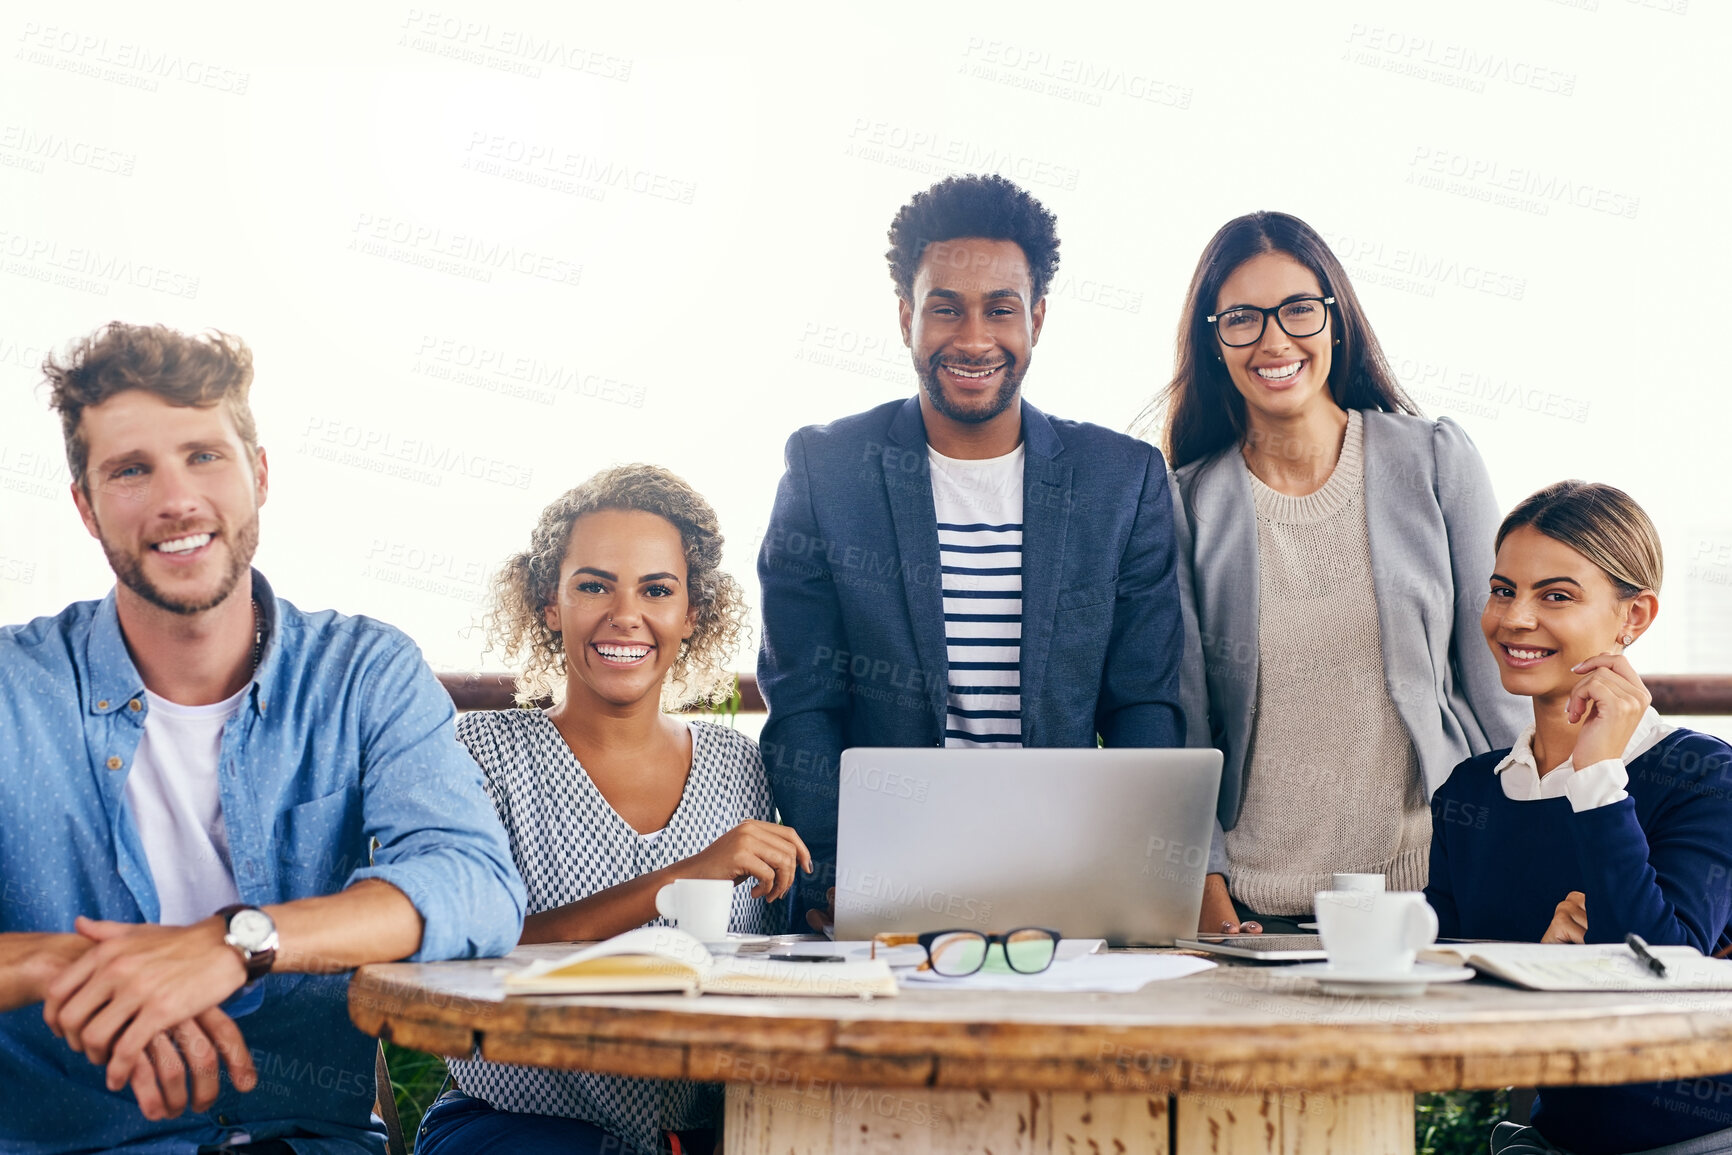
(254, 935)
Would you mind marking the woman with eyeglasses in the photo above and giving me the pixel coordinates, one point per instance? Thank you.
(1337, 544)
(620, 608)
(1603, 820)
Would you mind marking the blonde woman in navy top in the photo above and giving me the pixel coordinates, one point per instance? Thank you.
(1602, 820)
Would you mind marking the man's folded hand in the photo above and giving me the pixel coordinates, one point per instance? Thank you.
(191, 1052)
(137, 982)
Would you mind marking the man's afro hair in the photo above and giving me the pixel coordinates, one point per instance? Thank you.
(976, 205)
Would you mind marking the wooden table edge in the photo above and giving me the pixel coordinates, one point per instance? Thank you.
(727, 1047)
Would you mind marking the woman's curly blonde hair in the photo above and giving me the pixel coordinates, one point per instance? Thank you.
(529, 582)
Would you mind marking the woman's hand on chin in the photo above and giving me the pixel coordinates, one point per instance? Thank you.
(1609, 701)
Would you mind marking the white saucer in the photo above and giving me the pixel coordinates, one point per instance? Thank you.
(737, 943)
(1336, 981)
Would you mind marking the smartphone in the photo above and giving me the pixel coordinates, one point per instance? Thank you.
(809, 958)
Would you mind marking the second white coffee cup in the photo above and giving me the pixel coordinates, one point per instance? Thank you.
(698, 906)
(1374, 932)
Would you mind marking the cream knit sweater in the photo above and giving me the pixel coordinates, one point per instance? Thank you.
(1332, 780)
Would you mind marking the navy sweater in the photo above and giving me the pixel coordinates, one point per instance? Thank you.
(1659, 864)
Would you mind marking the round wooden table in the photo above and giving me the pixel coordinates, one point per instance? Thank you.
(1236, 1059)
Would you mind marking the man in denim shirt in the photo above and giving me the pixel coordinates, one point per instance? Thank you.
(215, 803)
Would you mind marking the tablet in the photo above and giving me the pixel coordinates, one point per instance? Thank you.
(1262, 947)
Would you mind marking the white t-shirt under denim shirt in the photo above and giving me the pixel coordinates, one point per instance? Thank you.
(172, 793)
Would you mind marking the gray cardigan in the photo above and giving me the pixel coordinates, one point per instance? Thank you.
(1431, 518)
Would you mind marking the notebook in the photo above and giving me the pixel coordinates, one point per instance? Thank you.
(661, 958)
(1571, 966)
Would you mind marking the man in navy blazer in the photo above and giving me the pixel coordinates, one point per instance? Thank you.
(958, 568)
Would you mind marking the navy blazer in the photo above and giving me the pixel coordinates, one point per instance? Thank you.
(854, 648)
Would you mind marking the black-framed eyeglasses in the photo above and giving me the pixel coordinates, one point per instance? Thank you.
(1303, 317)
(1026, 950)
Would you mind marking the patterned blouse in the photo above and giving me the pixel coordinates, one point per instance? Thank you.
(569, 844)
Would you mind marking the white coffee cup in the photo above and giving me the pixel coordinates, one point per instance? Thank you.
(1357, 882)
(698, 906)
(1374, 932)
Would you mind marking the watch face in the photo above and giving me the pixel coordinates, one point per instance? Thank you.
(251, 928)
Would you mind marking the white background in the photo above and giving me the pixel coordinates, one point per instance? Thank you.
(673, 218)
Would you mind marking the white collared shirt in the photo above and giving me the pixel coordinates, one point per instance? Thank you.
(1593, 786)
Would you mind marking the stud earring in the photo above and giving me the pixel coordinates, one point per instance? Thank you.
(1626, 640)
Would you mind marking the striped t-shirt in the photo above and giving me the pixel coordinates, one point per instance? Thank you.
(979, 508)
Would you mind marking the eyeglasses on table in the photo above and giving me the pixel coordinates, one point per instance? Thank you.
(1026, 950)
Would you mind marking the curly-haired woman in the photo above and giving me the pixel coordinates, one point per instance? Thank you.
(606, 798)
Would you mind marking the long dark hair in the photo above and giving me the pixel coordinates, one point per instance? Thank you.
(1204, 412)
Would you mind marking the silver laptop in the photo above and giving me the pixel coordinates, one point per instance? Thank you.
(1095, 843)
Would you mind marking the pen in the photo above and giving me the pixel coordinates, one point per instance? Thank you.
(1640, 948)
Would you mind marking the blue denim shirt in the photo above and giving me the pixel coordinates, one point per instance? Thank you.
(345, 739)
